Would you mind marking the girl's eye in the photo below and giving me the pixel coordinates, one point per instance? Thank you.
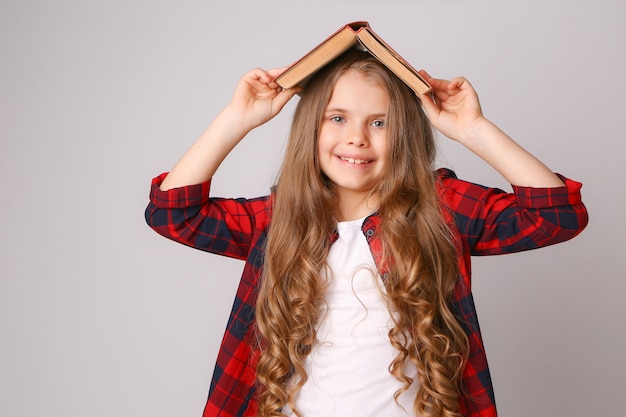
(378, 123)
(337, 119)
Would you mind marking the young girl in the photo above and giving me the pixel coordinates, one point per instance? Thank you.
(355, 297)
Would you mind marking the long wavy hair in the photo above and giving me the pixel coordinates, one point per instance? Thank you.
(418, 253)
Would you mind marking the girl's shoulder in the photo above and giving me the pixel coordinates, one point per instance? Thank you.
(445, 173)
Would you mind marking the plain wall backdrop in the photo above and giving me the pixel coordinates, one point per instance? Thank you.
(100, 316)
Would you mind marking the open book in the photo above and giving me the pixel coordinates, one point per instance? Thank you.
(352, 35)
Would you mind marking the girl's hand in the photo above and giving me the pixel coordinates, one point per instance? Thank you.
(258, 98)
(453, 108)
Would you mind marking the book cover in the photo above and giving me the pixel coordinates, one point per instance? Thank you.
(352, 35)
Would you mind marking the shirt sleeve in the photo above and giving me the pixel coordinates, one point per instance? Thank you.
(189, 216)
(494, 222)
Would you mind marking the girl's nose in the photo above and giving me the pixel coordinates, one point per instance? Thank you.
(357, 136)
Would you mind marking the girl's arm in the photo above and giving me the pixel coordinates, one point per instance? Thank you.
(256, 100)
(455, 111)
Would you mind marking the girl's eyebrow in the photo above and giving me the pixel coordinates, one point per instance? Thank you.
(340, 110)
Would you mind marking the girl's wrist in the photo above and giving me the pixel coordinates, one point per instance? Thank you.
(478, 130)
(484, 138)
(232, 120)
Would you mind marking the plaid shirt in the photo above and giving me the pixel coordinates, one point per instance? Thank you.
(488, 221)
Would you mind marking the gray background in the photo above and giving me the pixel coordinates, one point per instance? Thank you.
(99, 316)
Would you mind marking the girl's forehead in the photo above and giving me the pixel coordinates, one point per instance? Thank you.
(355, 74)
(358, 89)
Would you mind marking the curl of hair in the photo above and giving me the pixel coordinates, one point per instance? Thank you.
(418, 253)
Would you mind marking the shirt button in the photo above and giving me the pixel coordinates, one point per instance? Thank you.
(369, 232)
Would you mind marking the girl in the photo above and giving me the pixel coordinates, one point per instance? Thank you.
(355, 297)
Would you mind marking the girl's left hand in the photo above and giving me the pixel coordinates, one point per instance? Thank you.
(453, 108)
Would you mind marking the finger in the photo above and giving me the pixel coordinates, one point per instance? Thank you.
(429, 78)
(462, 83)
(256, 73)
(442, 89)
(457, 82)
(435, 83)
(262, 76)
(284, 96)
(275, 72)
(429, 106)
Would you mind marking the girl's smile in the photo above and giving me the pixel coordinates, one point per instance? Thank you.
(354, 161)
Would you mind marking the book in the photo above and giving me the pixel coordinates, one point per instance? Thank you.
(352, 35)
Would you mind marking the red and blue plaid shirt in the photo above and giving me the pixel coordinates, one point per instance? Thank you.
(488, 221)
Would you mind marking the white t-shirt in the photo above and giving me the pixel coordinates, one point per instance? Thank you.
(349, 367)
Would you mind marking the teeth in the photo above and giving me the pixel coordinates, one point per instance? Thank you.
(354, 161)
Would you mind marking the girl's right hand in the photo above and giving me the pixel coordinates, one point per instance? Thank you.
(258, 98)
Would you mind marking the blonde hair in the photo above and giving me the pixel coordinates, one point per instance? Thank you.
(418, 253)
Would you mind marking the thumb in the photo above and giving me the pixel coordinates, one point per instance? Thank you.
(282, 98)
(429, 106)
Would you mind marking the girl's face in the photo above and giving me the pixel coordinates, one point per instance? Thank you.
(352, 143)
